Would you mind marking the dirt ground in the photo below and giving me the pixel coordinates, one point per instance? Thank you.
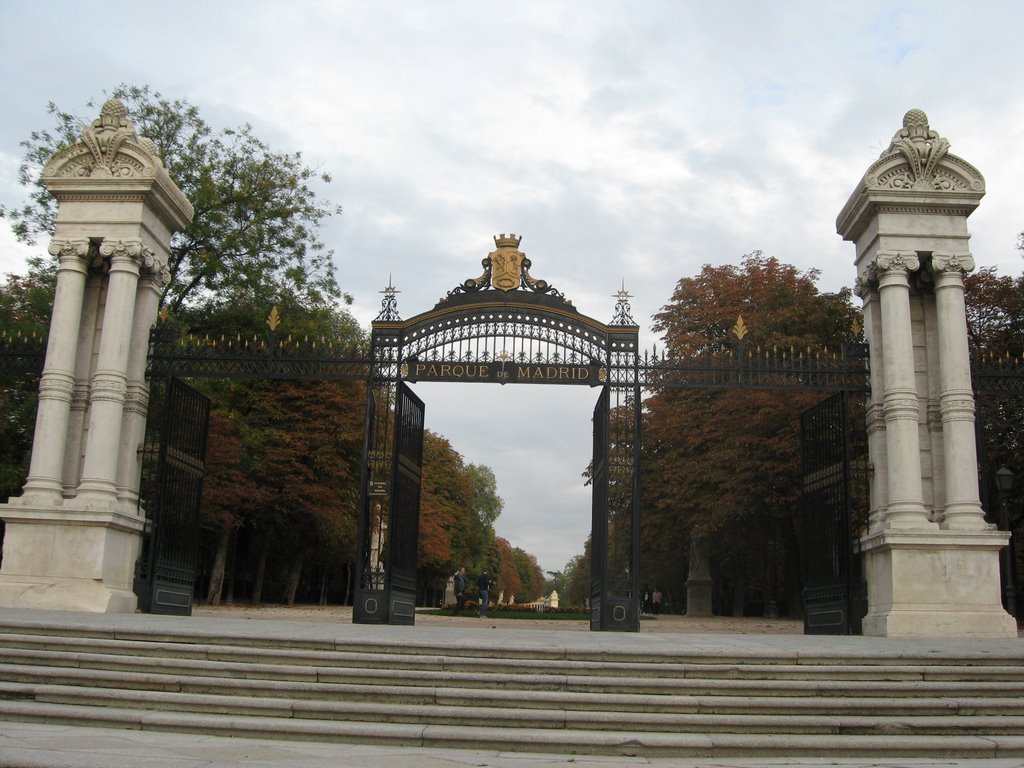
(679, 624)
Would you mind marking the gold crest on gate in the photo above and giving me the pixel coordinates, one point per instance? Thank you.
(506, 262)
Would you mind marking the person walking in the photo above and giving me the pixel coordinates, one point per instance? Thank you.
(484, 584)
(459, 582)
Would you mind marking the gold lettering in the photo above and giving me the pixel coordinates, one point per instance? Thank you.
(584, 374)
(458, 371)
(446, 370)
(563, 373)
(433, 370)
(523, 372)
(419, 369)
(483, 372)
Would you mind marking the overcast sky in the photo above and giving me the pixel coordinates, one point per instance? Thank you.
(624, 141)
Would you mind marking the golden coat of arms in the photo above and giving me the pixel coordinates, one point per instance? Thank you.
(506, 263)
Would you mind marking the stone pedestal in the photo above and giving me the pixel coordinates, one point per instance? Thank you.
(70, 560)
(698, 597)
(935, 584)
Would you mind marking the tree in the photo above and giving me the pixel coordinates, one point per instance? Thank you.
(257, 214)
(24, 313)
(722, 466)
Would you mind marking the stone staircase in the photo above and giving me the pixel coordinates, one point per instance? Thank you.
(645, 701)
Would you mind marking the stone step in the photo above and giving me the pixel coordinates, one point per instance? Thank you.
(550, 740)
(21, 645)
(520, 677)
(642, 698)
(480, 714)
(836, 704)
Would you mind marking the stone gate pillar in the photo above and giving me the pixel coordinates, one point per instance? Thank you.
(931, 560)
(73, 536)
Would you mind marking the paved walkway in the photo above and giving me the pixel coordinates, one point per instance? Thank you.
(55, 746)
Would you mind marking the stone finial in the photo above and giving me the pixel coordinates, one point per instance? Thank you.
(922, 147)
(106, 135)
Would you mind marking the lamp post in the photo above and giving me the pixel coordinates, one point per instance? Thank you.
(1004, 484)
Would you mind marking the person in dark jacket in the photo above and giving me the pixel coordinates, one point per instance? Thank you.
(484, 584)
(459, 582)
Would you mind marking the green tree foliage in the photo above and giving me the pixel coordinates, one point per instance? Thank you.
(257, 214)
(531, 577)
(722, 466)
(24, 314)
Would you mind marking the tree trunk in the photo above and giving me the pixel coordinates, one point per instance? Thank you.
(216, 587)
(294, 573)
(261, 570)
(323, 586)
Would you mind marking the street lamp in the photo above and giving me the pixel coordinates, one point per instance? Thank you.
(1004, 485)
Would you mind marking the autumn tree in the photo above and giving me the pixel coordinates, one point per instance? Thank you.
(445, 512)
(722, 466)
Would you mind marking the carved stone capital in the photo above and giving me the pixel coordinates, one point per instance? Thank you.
(69, 251)
(132, 250)
(955, 263)
(897, 261)
(866, 282)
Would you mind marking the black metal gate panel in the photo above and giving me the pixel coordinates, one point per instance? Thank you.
(599, 514)
(167, 572)
(404, 525)
(369, 604)
(832, 594)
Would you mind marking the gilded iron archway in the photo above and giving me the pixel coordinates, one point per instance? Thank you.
(505, 327)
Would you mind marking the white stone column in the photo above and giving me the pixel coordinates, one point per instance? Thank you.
(133, 427)
(900, 405)
(56, 386)
(75, 443)
(873, 415)
(956, 400)
(109, 382)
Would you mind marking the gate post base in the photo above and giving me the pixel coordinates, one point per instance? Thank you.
(935, 584)
(63, 559)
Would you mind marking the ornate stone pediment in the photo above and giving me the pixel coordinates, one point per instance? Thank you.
(108, 148)
(918, 159)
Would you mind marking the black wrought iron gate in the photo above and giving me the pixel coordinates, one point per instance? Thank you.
(389, 524)
(833, 593)
(166, 572)
(599, 516)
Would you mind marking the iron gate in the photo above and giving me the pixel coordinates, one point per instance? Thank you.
(166, 573)
(599, 516)
(834, 599)
(389, 522)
